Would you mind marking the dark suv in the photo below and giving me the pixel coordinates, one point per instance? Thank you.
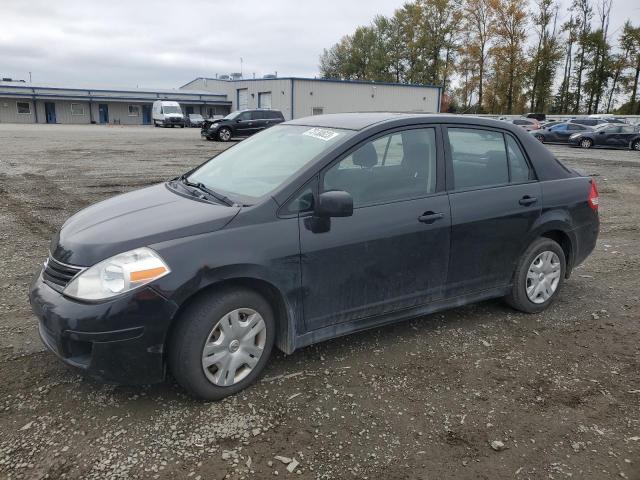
(312, 229)
(241, 123)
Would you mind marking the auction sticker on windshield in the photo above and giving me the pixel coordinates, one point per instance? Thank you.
(321, 134)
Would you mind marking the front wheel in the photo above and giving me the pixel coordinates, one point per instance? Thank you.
(635, 145)
(538, 276)
(222, 343)
(586, 143)
(224, 134)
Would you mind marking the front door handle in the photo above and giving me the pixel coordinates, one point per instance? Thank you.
(527, 200)
(430, 217)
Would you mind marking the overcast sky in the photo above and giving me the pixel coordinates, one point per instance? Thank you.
(162, 44)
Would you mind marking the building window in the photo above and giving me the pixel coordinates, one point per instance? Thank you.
(264, 100)
(134, 110)
(317, 111)
(77, 109)
(24, 108)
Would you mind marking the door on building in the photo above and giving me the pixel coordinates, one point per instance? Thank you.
(146, 114)
(264, 100)
(50, 112)
(243, 99)
(103, 113)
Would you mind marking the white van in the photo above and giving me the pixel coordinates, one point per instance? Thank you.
(166, 113)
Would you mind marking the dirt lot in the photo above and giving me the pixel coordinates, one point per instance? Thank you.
(422, 399)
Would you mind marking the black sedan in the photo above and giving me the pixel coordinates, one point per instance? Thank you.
(559, 133)
(608, 136)
(312, 229)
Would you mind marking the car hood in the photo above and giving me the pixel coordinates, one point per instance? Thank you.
(135, 219)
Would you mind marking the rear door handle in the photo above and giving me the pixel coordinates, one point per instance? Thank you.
(430, 217)
(527, 200)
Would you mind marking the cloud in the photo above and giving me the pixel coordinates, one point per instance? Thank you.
(165, 44)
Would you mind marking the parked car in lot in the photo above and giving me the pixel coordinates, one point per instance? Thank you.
(551, 123)
(194, 120)
(559, 133)
(242, 123)
(540, 117)
(591, 122)
(528, 124)
(312, 229)
(608, 135)
(167, 114)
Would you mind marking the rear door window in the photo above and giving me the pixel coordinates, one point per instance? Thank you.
(478, 157)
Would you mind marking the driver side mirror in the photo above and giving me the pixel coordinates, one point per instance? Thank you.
(335, 203)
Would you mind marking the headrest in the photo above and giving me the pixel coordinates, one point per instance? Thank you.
(416, 157)
(366, 156)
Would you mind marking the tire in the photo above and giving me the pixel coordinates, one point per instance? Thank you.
(635, 145)
(540, 138)
(155, 124)
(196, 327)
(586, 143)
(518, 298)
(224, 134)
(181, 126)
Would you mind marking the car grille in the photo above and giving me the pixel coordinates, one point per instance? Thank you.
(57, 274)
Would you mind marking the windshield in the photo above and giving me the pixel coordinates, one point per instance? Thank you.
(232, 115)
(260, 164)
(170, 109)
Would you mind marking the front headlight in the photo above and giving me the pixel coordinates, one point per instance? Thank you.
(118, 274)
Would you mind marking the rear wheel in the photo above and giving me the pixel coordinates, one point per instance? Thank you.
(586, 143)
(538, 276)
(222, 343)
(635, 145)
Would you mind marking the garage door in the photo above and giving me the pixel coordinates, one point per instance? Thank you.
(243, 99)
(264, 100)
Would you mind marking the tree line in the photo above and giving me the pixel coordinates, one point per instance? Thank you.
(500, 56)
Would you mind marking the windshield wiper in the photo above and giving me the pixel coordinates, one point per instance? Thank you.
(200, 186)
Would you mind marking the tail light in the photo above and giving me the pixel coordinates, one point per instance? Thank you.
(594, 198)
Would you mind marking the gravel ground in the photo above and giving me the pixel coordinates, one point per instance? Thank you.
(479, 392)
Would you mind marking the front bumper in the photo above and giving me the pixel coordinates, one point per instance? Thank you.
(173, 121)
(119, 341)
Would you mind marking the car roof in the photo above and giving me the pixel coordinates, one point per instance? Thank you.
(360, 121)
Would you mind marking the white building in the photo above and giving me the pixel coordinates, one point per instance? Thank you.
(21, 102)
(301, 97)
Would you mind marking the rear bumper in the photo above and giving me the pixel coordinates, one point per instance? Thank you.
(119, 341)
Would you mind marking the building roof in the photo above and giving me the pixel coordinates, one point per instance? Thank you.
(330, 80)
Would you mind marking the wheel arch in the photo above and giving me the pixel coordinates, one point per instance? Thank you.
(556, 225)
(284, 312)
